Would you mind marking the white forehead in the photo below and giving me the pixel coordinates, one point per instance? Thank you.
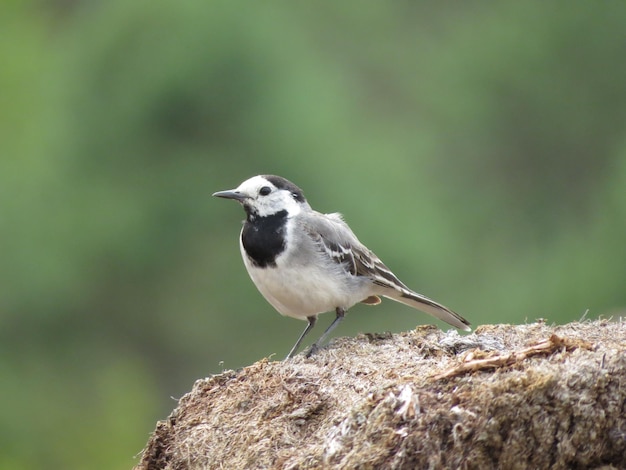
(252, 185)
(278, 199)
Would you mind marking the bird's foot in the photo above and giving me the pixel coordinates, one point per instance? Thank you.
(312, 350)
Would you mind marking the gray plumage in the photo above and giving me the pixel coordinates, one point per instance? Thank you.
(306, 263)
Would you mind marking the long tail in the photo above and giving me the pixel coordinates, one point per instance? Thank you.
(423, 303)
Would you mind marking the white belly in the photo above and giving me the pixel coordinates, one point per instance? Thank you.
(302, 291)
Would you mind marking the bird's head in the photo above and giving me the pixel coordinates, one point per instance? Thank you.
(266, 195)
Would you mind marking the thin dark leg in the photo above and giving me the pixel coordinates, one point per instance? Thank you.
(340, 314)
(312, 319)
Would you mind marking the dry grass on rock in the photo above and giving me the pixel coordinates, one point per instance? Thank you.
(528, 396)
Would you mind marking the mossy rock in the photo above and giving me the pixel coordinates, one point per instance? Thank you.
(506, 396)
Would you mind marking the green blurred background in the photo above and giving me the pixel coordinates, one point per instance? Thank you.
(478, 147)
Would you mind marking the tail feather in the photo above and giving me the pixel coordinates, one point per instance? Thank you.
(426, 305)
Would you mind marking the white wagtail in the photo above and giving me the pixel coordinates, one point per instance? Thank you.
(306, 263)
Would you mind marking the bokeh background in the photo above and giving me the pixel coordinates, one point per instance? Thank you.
(478, 147)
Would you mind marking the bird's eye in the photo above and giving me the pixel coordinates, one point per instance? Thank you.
(265, 190)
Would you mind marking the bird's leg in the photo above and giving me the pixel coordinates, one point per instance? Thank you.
(312, 319)
(340, 314)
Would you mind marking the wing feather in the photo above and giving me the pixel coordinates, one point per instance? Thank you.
(336, 239)
(341, 245)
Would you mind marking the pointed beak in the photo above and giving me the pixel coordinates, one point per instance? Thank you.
(232, 194)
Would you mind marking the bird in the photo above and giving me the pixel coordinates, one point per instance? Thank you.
(306, 263)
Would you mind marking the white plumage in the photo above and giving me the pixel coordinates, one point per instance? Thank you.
(306, 263)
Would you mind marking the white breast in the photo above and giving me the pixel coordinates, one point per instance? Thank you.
(299, 291)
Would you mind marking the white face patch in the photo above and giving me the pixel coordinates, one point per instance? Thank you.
(266, 199)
